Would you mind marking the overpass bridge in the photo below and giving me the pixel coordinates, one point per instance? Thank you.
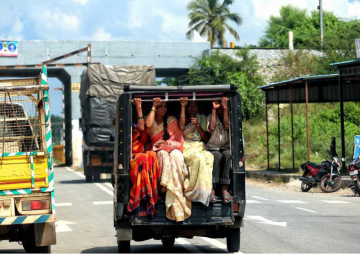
(170, 59)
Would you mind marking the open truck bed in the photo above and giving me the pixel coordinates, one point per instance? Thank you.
(27, 206)
(219, 220)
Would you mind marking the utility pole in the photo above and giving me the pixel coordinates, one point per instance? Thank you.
(321, 23)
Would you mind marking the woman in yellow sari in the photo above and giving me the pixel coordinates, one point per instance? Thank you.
(167, 140)
(198, 184)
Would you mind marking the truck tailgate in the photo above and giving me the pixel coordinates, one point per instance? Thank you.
(15, 172)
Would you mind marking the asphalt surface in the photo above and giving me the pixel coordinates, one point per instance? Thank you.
(277, 221)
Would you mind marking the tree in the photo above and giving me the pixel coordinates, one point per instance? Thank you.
(240, 70)
(209, 17)
(306, 28)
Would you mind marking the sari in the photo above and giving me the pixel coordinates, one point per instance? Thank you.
(172, 167)
(144, 174)
(198, 183)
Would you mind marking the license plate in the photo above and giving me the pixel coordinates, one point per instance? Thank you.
(355, 172)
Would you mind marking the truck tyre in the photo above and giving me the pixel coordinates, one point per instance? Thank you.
(89, 178)
(233, 240)
(123, 246)
(30, 247)
(168, 242)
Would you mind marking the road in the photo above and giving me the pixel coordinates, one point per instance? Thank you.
(276, 222)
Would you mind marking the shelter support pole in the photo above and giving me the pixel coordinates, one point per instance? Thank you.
(279, 129)
(307, 120)
(341, 92)
(292, 129)
(267, 133)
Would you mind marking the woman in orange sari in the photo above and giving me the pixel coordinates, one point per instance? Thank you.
(167, 140)
(144, 168)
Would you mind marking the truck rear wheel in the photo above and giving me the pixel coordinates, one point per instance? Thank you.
(233, 240)
(96, 178)
(123, 246)
(89, 178)
(168, 242)
(30, 247)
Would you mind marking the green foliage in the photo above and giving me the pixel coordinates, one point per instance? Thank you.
(242, 70)
(168, 82)
(209, 18)
(57, 129)
(338, 34)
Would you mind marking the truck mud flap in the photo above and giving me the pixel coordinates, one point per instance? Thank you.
(214, 214)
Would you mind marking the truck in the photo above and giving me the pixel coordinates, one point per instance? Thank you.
(101, 85)
(27, 201)
(218, 220)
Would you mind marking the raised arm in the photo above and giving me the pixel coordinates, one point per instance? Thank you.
(202, 133)
(151, 117)
(224, 104)
(212, 124)
(182, 120)
(140, 117)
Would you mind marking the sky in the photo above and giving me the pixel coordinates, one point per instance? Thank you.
(138, 20)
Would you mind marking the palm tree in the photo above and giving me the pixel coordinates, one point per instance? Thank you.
(209, 17)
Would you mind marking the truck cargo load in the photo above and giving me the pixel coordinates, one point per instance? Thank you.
(101, 85)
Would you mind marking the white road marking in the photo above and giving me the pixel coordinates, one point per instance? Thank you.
(249, 201)
(103, 202)
(292, 201)
(335, 202)
(266, 221)
(308, 210)
(97, 184)
(78, 173)
(104, 188)
(62, 226)
(259, 198)
(216, 243)
(188, 246)
(63, 204)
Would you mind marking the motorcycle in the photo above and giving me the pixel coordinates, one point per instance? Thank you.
(354, 172)
(327, 174)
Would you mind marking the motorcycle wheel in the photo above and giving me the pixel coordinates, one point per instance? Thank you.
(305, 187)
(328, 187)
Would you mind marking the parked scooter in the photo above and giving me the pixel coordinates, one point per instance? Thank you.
(327, 174)
(354, 172)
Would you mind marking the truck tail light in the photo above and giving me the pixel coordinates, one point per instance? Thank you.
(236, 207)
(35, 205)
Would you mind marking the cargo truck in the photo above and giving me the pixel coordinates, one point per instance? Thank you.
(101, 85)
(219, 219)
(27, 206)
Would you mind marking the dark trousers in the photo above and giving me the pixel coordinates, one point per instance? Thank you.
(221, 166)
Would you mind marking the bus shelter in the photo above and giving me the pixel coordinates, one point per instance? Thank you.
(341, 87)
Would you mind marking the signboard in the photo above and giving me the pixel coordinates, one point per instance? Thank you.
(8, 48)
(356, 146)
(75, 87)
(357, 44)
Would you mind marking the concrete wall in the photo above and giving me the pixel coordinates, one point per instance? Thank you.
(169, 58)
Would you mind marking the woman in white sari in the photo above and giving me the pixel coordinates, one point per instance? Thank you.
(198, 184)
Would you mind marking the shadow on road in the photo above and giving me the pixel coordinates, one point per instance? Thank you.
(151, 248)
(82, 181)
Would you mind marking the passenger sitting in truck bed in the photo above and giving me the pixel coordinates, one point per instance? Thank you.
(200, 162)
(218, 145)
(167, 140)
(144, 168)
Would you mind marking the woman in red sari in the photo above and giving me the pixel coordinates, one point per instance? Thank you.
(144, 168)
(167, 140)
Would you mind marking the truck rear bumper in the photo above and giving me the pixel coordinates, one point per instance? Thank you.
(96, 170)
(27, 219)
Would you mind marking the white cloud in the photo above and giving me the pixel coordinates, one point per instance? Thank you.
(102, 35)
(83, 2)
(59, 20)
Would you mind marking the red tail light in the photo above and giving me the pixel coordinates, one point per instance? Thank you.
(35, 205)
(236, 207)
